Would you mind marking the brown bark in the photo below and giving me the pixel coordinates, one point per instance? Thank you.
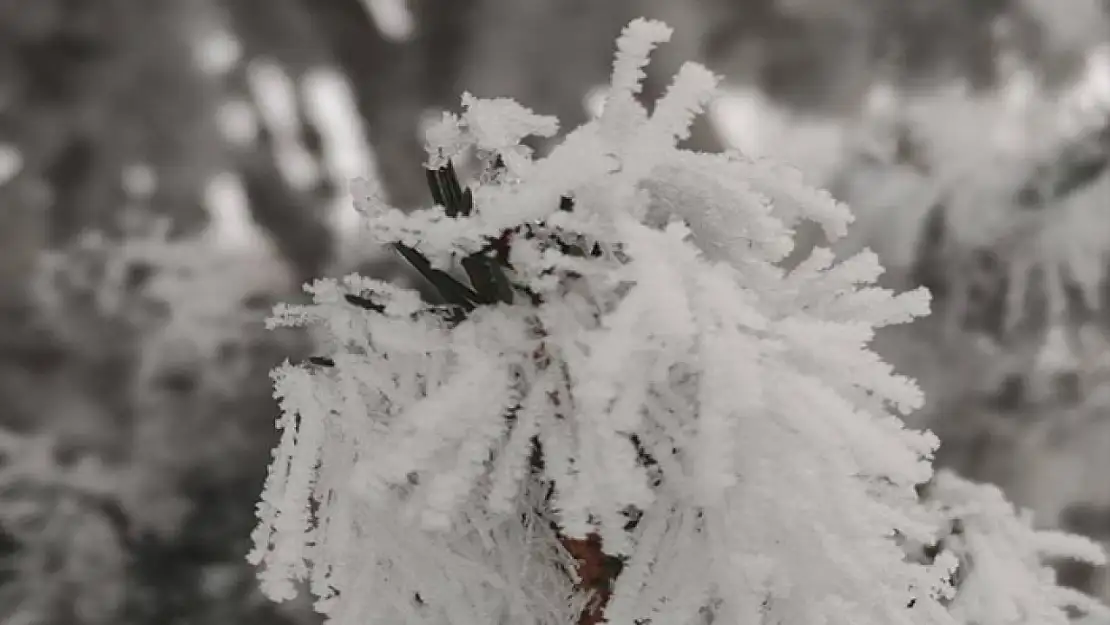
(596, 572)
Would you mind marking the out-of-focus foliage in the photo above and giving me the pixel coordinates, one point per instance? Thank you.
(996, 201)
(143, 374)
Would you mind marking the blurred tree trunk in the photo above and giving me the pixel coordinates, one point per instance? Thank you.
(280, 33)
(387, 80)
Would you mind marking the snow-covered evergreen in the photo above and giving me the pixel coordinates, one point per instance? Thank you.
(625, 358)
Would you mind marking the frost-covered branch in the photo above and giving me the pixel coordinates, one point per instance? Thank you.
(626, 409)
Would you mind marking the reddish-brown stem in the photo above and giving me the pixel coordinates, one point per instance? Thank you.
(595, 573)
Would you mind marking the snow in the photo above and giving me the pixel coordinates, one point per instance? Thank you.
(330, 105)
(679, 372)
(275, 95)
(232, 226)
(11, 162)
(392, 17)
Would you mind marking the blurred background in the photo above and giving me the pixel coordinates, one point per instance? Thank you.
(169, 169)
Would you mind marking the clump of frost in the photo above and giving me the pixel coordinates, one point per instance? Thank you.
(718, 421)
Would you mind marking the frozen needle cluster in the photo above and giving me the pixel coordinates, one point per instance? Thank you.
(618, 354)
